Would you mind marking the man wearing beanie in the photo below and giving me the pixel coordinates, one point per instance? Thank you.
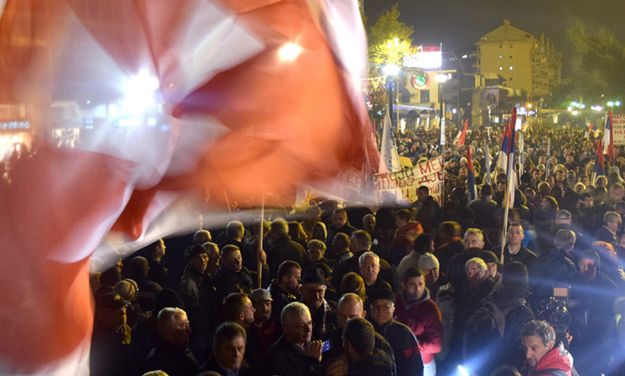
(415, 309)
(402, 339)
(496, 341)
(430, 267)
(422, 244)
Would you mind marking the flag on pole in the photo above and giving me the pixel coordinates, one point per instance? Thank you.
(199, 98)
(487, 164)
(389, 157)
(471, 176)
(608, 138)
(508, 201)
(462, 134)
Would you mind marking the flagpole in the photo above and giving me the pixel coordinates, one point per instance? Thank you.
(510, 174)
(259, 251)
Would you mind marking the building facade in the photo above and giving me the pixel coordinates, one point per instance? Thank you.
(525, 63)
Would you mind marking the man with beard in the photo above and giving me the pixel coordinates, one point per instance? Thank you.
(313, 295)
(265, 329)
(285, 288)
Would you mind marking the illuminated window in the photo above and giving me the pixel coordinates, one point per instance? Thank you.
(510, 67)
(500, 68)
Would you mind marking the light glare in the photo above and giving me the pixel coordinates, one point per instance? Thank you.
(289, 51)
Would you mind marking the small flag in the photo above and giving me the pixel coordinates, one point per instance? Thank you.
(599, 160)
(389, 160)
(608, 138)
(471, 176)
(462, 134)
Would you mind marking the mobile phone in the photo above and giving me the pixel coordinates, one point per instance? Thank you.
(325, 346)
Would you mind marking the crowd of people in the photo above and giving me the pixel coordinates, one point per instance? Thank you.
(418, 289)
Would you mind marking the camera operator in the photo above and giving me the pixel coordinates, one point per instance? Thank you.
(593, 323)
(543, 355)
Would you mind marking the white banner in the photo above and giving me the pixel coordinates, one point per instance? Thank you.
(428, 173)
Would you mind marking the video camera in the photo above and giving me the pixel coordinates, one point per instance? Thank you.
(555, 311)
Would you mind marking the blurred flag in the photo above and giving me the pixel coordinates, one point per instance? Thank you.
(227, 101)
(608, 138)
(389, 157)
(508, 200)
(462, 134)
(471, 176)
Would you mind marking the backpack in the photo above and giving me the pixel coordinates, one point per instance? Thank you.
(486, 326)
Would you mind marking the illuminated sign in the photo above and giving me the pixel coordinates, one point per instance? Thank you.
(419, 80)
(427, 57)
(14, 125)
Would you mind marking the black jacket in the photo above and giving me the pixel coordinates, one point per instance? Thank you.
(377, 364)
(405, 347)
(285, 359)
(175, 360)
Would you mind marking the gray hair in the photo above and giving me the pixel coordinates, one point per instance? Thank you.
(366, 255)
(293, 309)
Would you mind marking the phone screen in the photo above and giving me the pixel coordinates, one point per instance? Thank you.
(325, 346)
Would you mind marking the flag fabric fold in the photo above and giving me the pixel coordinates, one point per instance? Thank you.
(253, 98)
(389, 157)
(608, 138)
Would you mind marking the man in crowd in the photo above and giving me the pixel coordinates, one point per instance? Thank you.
(514, 250)
(294, 353)
(281, 247)
(473, 244)
(313, 295)
(362, 356)
(285, 288)
(401, 338)
(611, 225)
(232, 276)
(237, 307)
(448, 243)
(172, 354)
(340, 223)
(417, 310)
(369, 267)
(229, 344)
(265, 329)
(543, 356)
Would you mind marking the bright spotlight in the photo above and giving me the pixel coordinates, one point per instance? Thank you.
(391, 70)
(463, 371)
(442, 78)
(289, 51)
(617, 103)
(139, 93)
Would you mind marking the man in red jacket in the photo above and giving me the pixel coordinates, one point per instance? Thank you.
(415, 309)
(542, 355)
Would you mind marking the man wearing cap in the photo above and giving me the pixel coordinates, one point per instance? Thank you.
(265, 329)
(401, 338)
(313, 295)
(514, 250)
(591, 306)
(417, 310)
(492, 263)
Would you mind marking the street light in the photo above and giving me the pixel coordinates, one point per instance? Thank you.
(391, 71)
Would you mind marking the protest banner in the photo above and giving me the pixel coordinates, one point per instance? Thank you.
(407, 181)
(618, 129)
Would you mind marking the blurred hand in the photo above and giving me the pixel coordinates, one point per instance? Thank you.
(313, 349)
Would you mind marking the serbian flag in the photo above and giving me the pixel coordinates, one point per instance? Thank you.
(508, 150)
(608, 138)
(471, 176)
(389, 157)
(134, 107)
(462, 134)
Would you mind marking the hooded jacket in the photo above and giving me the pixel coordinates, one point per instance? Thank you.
(556, 362)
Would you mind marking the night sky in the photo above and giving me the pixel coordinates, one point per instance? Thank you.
(458, 24)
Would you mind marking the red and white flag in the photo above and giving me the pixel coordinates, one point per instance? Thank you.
(227, 100)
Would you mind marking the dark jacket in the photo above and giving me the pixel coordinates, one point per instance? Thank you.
(285, 359)
(484, 210)
(445, 253)
(280, 299)
(524, 256)
(405, 347)
(377, 364)
(284, 249)
(555, 268)
(212, 365)
(175, 360)
(351, 265)
(226, 282)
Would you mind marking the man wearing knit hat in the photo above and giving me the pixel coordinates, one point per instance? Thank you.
(429, 265)
(400, 336)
